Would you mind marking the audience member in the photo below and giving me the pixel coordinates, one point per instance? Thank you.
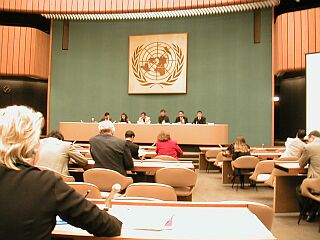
(230, 149)
(106, 117)
(163, 118)
(166, 146)
(134, 148)
(124, 118)
(31, 199)
(144, 119)
(295, 146)
(240, 148)
(200, 119)
(181, 118)
(109, 151)
(54, 153)
(311, 156)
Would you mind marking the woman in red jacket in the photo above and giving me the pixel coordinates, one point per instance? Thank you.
(166, 146)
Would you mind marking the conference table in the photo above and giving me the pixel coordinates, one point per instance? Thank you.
(185, 134)
(178, 220)
(288, 175)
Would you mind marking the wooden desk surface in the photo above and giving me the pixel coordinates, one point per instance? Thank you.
(196, 221)
(291, 167)
(193, 134)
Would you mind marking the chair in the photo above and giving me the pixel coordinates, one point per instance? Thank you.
(104, 179)
(165, 157)
(243, 166)
(290, 159)
(151, 190)
(86, 189)
(262, 172)
(219, 160)
(263, 212)
(182, 180)
(65, 178)
(211, 157)
(310, 188)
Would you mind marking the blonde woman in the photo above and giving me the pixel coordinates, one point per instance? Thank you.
(31, 199)
(240, 148)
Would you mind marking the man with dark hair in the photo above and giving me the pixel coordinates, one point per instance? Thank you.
(163, 118)
(200, 119)
(54, 153)
(106, 117)
(134, 148)
(182, 119)
(295, 146)
(311, 156)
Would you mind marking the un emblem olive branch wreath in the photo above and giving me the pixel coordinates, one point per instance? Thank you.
(171, 78)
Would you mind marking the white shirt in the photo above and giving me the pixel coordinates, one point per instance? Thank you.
(146, 121)
(294, 148)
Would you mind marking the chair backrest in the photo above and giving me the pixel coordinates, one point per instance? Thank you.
(245, 162)
(212, 153)
(290, 159)
(65, 178)
(86, 189)
(151, 190)
(165, 157)
(176, 177)
(309, 187)
(104, 179)
(219, 157)
(263, 167)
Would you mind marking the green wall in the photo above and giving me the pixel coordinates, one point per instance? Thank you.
(229, 77)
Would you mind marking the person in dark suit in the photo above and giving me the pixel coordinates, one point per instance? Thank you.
(134, 148)
(31, 199)
(163, 118)
(200, 119)
(110, 152)
(181, 118)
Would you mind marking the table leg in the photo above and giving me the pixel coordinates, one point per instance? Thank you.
(202, 161)
(226, 171)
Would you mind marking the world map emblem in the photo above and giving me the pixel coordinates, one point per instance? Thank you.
(157, 63)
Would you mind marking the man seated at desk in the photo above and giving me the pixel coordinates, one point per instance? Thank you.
(163, 118)
(311, 156)
(109, 151)
(295, 146)
(54, 153)
(134, 148)
(182, 119)
(200, 119)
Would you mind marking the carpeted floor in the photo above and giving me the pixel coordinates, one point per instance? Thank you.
(210, 188)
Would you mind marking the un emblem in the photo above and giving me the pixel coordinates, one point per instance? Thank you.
(157, 63)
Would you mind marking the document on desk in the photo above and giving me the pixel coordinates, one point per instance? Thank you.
(141, 218)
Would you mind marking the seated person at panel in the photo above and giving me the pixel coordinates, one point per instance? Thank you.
(144, 119)
(134, 148)
(106, 117)
(311, 156)
(295, 146)
(240, 148)
(163, 118)
(182, 119)
(200, 119)
(31, 199)
(109, 151)
(166, 146)
(54, 153)
(124, 118)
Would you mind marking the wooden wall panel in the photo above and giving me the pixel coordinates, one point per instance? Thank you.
(296, 34)
(24, 52)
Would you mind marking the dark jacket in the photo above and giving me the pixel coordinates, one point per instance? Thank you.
(178, 120)
(111, 152)
(31, 199)
(201, 121)
(134, 149)
(235, 155)
(163, 118)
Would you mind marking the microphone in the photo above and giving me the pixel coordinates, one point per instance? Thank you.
(115, 189)
(87, 193)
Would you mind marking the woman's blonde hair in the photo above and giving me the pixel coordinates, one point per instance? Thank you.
(20, 129)
(240, 145)
(163, 136)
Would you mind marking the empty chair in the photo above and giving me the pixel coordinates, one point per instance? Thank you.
(165, 157)
(86, 189)
(104, 179)
(219, 160)
(211, 157)
(182, 180)
(310, 188)
(262, 172)
(243, 166)
(64, 177)
(151, 190)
